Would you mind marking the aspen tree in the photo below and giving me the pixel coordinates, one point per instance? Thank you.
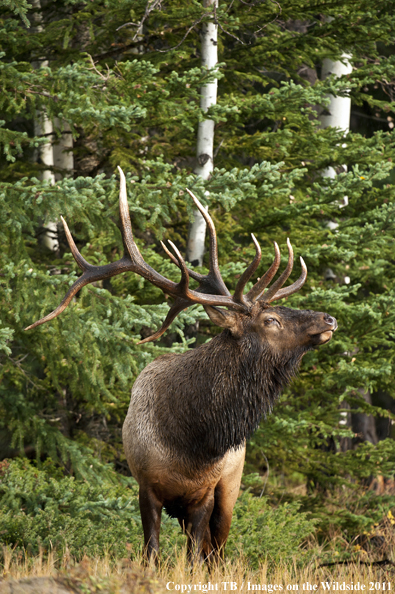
(205, 133)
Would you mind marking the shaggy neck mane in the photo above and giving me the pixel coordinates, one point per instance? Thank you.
(229, 385)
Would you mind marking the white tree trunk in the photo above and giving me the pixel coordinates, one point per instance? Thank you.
(338, 113)
(205, 137)
(50, 155)
(340, 107)
(63, 158)
(43, 127)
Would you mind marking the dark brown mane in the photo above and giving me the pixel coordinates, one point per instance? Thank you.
(235, 383)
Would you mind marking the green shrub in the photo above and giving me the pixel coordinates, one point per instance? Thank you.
(41, 508)
(262, 532)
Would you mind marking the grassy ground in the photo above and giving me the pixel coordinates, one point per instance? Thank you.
(62, 574)
(341, 561)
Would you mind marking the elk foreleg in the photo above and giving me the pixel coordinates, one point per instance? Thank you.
(151, 511)
(225, 496)
(220, 522)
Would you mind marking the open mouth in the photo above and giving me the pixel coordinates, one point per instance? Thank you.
(324, 337)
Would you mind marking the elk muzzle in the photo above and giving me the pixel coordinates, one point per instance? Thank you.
(324, 328)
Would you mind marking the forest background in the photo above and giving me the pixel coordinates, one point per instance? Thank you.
(119, 83)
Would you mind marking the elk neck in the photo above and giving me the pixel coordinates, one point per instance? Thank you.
(223, 389)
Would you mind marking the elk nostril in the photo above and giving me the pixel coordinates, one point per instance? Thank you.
(329, 320)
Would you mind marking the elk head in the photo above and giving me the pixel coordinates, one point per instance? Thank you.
(279, 328)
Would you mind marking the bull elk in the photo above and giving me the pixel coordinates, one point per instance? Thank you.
(190, 414)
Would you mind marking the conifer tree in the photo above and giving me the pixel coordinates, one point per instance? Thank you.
(126, 78)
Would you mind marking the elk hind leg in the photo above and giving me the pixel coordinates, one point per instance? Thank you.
(196, 525)
(151, 511)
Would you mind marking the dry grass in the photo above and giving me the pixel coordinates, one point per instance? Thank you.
(373, 568)
(108, 576)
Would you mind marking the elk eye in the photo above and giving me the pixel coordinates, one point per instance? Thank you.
(271, 321)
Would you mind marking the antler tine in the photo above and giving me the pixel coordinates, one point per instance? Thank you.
(179, 261)
(66, 300)
(168, 252)
(139, 265)
(247, 274)
(271, 292)
(81, 282)
(126, 225)
(90, 275)
(294, 287)
(195, 296)
(82, 263)
(214, 277)
(195, 275)
(211, 228)
(260, 286)
(173, 312)
(203, 279)
(184, 282)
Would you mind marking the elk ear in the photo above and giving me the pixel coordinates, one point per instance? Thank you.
(223, 318)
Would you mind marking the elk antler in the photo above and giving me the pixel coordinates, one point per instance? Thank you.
(275, 292)
(133, 261)
(211, 290)
(211, 282)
